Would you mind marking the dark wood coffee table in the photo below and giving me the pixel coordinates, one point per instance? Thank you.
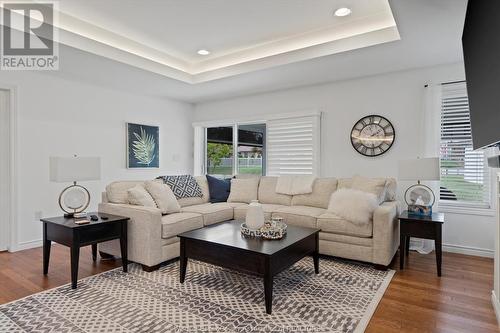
(223, 245)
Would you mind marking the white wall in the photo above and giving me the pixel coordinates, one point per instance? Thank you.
(399, 97)
(59, 117)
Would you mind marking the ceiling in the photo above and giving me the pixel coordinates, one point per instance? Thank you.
(423, 33)
(163, 36)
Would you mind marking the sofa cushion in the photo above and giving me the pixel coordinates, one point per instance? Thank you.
(174, 224)
(390, 186)
(320, 196)
(370, 185)
(219, 189)
(346, 239)
(295, 184)
(138, 195)
(202, 182)
(329, 222)
(267, 192)
(244, 190)
(304, 216)
(240, 212)
(116, 192)
(353, 205)
(212, 212)
(163, 196)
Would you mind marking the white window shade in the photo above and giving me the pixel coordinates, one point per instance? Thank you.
(464, 174)
(293, 146)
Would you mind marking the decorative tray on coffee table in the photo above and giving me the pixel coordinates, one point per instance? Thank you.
(270, 230)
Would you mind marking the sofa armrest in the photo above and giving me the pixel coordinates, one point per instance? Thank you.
(385, 232)
(144, 232)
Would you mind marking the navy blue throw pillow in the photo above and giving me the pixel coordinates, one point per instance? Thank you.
(219, 189)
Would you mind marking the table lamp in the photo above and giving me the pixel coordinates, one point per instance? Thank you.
(74, 199)
(419, 198)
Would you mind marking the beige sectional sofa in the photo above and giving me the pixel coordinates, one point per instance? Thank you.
(152, 237)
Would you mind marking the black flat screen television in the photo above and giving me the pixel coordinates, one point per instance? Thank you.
(481, 47)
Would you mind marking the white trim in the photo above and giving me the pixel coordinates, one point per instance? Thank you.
(255, 119)
(469, 250)
(5, 175)
(13, 212)
(26, 245)
(459, 209)
(235, 149)
(198, 151)
(496, 305)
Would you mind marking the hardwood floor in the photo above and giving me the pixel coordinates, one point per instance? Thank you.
(416, 300)
(21, 272)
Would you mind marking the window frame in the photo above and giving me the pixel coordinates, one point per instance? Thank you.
(200, 137)
(466, 207)
(235, 126)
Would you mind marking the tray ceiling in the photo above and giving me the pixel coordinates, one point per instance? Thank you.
(163, 36)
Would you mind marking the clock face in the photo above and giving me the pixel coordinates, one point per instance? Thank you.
(372, 135)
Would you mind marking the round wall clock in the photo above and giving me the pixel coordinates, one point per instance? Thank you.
(372, 135)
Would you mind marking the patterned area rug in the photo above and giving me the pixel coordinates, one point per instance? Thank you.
(342, 298)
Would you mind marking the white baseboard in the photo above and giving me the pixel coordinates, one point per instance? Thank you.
(26, 245)
(472, 251)
(496, 305)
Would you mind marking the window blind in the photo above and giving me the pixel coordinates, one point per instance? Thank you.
(464, 173)
(293, 146)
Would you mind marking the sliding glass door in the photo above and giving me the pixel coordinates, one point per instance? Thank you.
(251, 149)
(221, 150)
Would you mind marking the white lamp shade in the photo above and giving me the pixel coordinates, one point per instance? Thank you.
(72, 169)
(419, 169)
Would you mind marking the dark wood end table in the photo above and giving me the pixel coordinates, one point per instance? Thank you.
(428, 227)
(65, 231)
(223, 245)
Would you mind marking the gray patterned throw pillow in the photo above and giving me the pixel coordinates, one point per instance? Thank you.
(183, 186)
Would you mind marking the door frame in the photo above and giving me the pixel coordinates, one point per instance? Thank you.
(11, 228)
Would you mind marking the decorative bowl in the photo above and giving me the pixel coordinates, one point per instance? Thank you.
(246, 231)
(276, 230)
(270, 230)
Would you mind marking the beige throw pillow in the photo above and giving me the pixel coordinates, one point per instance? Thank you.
(138, 196)
(243, 190)
(163, 196)
(370, 185)
(353, 205)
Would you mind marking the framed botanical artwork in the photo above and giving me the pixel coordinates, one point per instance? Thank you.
(142, 146)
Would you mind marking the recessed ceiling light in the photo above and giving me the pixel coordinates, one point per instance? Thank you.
(344, 11)
(203, 52)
